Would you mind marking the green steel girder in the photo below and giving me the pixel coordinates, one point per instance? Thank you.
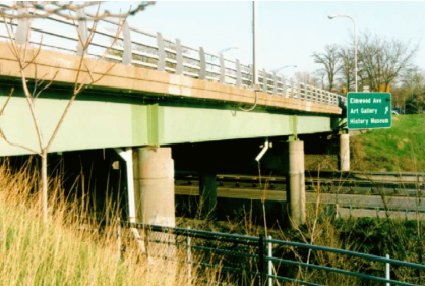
(96, 124)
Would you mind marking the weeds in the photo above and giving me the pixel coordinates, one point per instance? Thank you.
(73, 249)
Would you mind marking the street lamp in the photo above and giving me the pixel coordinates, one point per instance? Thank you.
(355, 43)
(222, 63)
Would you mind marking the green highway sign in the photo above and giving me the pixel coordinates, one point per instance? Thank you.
(367, 110)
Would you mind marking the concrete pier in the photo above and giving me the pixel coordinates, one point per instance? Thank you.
(296, 184)
(344, 152)
(154, 185)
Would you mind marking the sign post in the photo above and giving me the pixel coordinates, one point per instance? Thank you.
(366, 110)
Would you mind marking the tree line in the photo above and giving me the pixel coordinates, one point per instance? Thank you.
(384, 65)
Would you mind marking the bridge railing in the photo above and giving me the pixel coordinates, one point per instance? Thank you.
(119, 42)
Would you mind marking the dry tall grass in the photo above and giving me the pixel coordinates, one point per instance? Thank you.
(61, 252)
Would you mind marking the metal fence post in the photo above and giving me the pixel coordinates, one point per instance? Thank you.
(161, 52)
(127, 54)
(202, 64)
(261, 258)
(387, 270)
(269, 262)
(189, 258)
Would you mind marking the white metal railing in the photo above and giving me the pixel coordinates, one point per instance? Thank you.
(121, 43)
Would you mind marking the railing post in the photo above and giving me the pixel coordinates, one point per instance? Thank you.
(284, 86)
(275, 83)
(261, 258)
(264, 80)
(179, 57)
(292, 86)
(250, 75)
(222, 69)
(202, 64)
(301, 89)
(127, 55)
(82, 33)
(161, 52)
(238, 73)
(23, 29)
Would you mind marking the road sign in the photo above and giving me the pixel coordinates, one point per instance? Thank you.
(367, 110)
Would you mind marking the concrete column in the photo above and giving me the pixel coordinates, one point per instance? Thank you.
(154, 179)
(296, 183)
(344, 152)
(207, 194)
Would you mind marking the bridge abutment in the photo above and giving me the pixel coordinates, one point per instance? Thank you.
(296, 184)
(344, 152)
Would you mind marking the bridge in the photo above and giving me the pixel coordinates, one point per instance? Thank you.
(142, 95)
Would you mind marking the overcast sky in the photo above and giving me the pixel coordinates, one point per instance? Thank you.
(288, 32)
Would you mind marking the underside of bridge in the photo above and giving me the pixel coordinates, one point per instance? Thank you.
(103, 174)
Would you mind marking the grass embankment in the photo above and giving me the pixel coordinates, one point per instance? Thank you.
(399, 148)
(61, 252)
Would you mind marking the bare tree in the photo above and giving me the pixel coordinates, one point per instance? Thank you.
(306, 77)
(347, 66)
(381, 61)
(26, 57)
(329, 59)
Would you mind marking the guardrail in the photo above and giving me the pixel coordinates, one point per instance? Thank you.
(242, 259)
(121, 43)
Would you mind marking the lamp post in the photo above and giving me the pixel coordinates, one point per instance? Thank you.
(355, 43)
(254, 46)
(222, 63)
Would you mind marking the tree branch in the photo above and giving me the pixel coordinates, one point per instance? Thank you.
(3, 136)
(7, 101)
